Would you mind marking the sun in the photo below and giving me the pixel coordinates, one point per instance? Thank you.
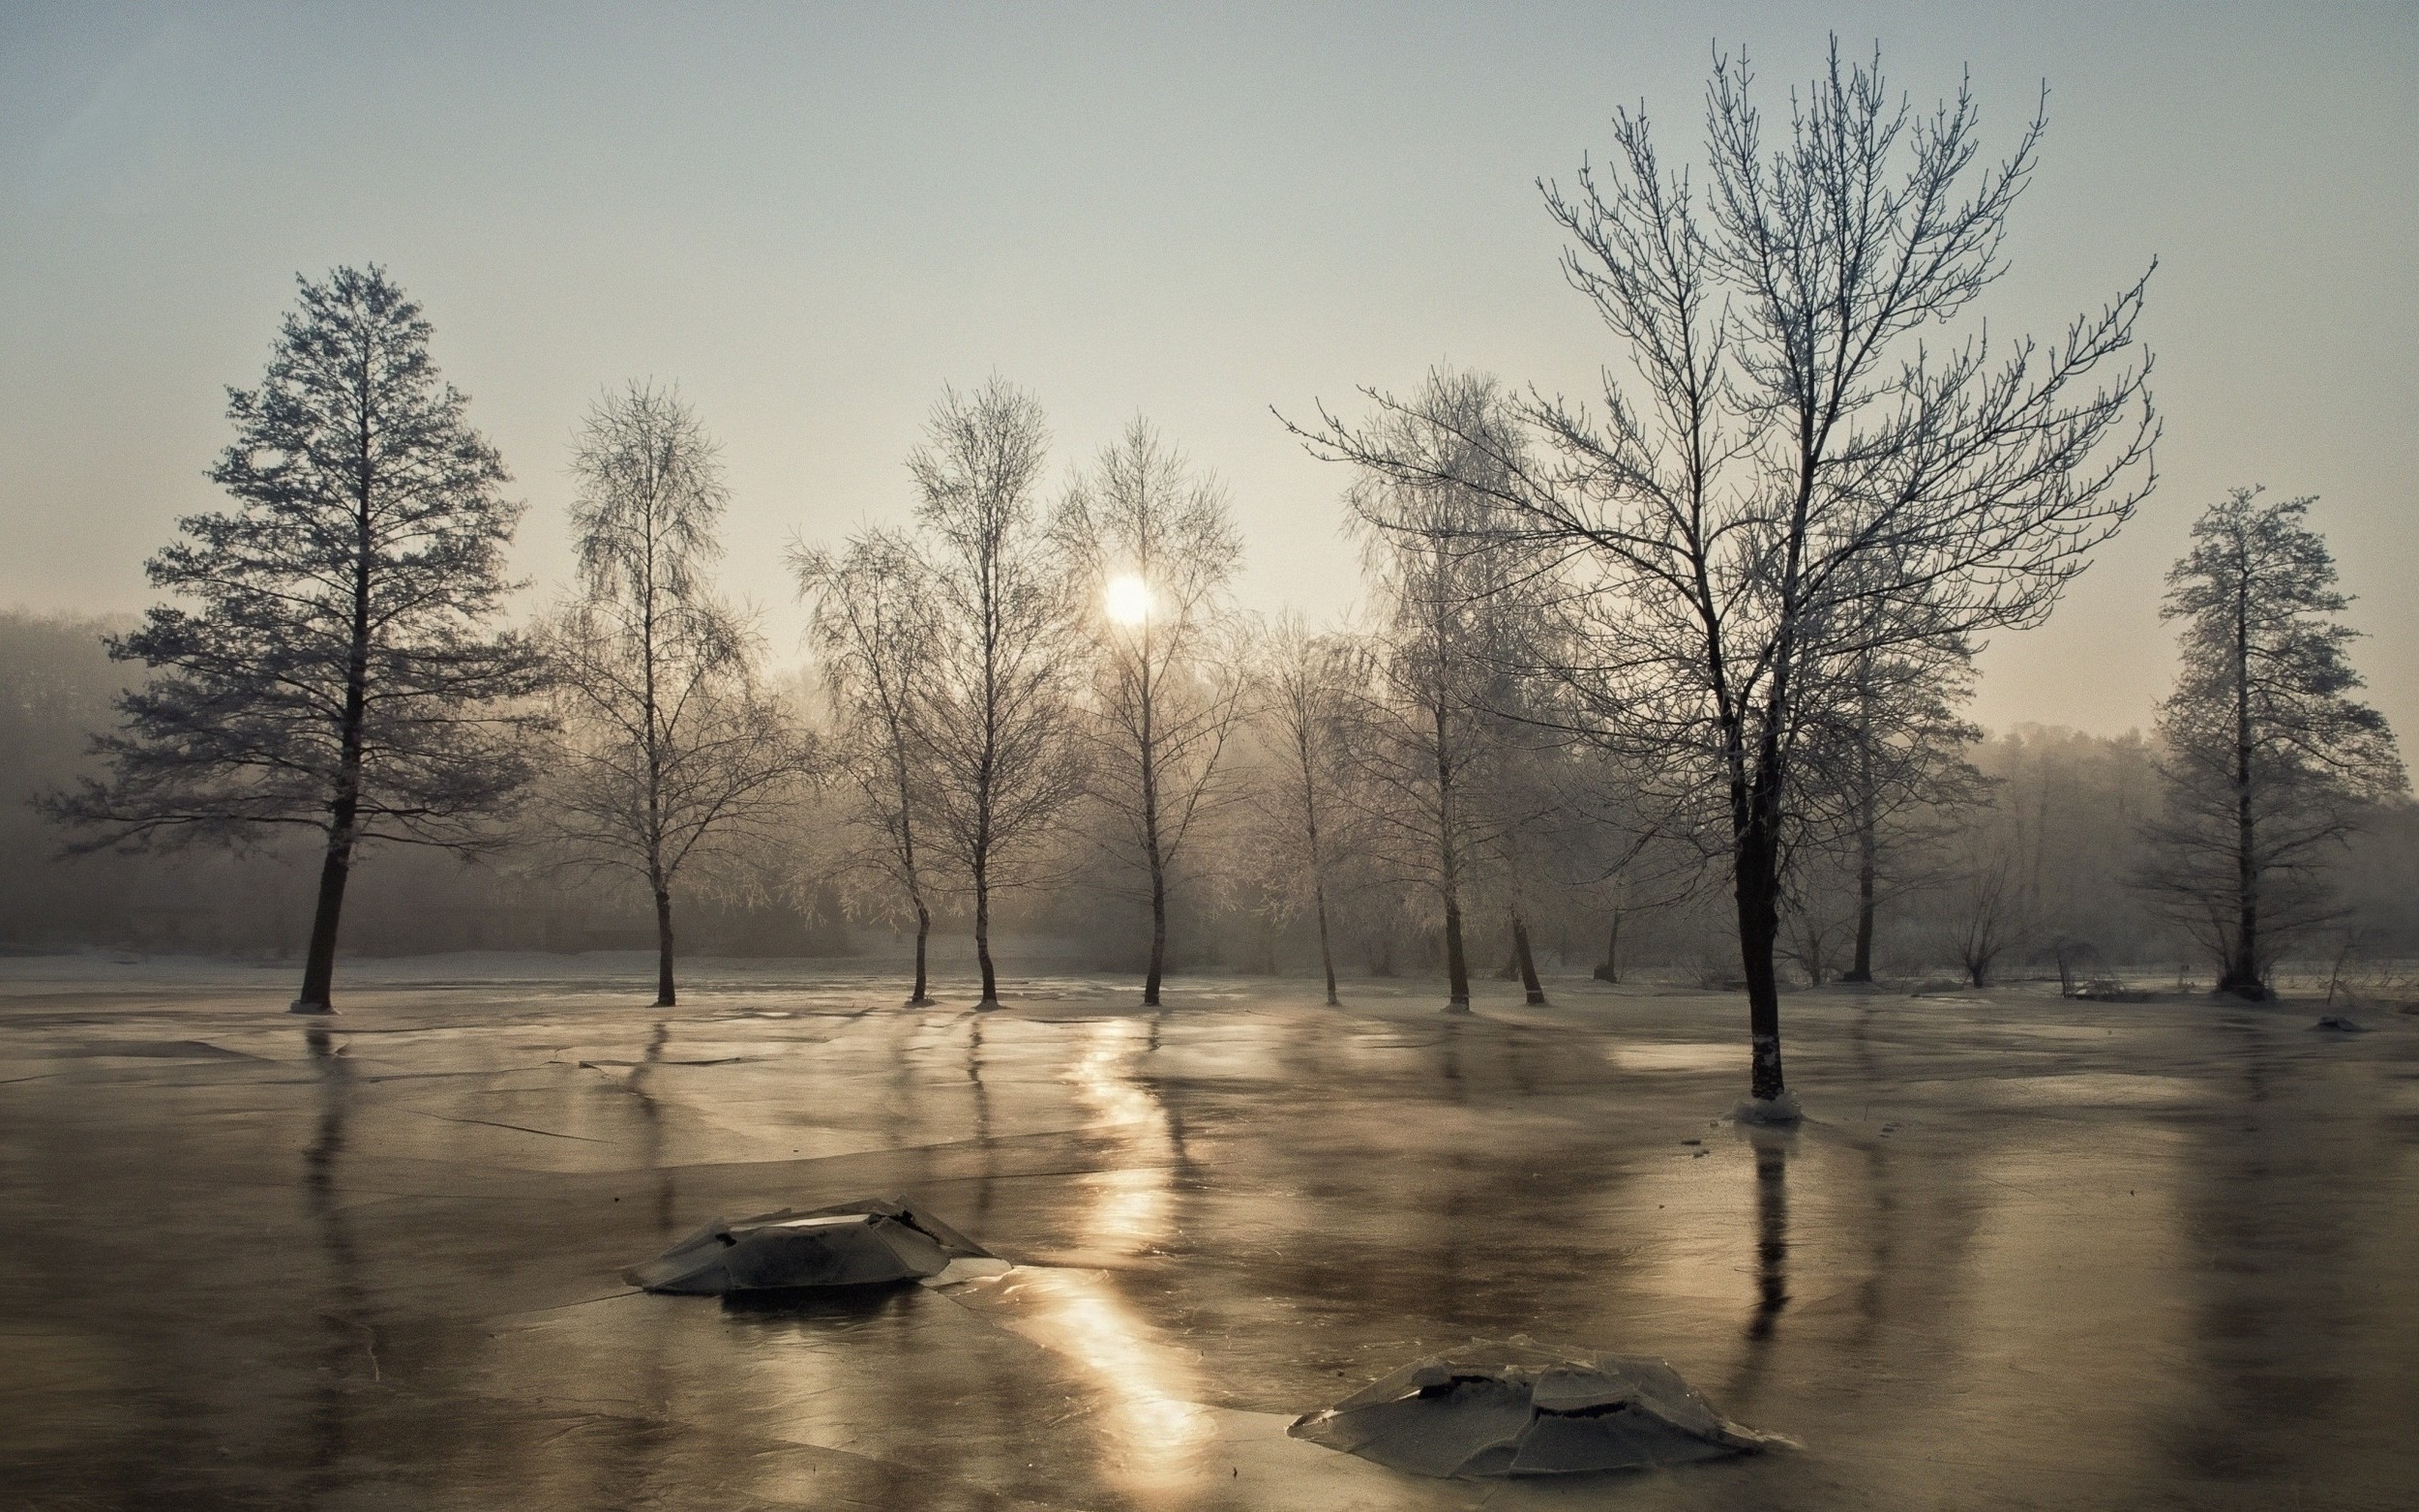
(1129, 600)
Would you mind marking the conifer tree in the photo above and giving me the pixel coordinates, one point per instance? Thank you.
(333, 668)
(2268, 759)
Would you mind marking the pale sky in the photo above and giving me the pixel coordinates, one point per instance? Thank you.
(812, 219)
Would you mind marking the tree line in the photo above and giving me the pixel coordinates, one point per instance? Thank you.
(1703, 641)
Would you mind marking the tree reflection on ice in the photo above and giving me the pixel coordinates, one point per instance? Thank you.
(352, 1338)
(1772, 1231)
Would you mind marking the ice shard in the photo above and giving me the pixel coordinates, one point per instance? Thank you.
(1515, 1408)
(873, 1242)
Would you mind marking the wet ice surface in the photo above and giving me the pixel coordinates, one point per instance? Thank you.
(2025, 1253)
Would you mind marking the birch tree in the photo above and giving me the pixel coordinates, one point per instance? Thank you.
(1155, 550)
(675, 753)
(999, 736)
(1306, 682)
(1425, 736)
(874, 632)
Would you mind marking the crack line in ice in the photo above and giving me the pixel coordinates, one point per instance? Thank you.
(521, 1128)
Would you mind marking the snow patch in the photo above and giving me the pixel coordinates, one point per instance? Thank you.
(1771, 1111)
(968, 1267)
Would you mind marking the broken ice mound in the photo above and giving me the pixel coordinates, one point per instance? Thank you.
(1515, 1408)
(852, 1244)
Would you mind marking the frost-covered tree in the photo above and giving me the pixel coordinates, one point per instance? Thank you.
(334, 668)
(673, 748)
(1306, 683)
(1154, 548)
(874, 632)
(998, 739)
(1988, 909)
(1885, 776)
(2266, 760)
(1426, 734)
(1811, 457)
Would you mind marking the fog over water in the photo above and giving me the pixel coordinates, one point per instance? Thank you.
(813, 219)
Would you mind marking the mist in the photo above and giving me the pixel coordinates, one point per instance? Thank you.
(1301, 758)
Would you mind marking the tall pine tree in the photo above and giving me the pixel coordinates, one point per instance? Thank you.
(2267, 759)
(333, 666)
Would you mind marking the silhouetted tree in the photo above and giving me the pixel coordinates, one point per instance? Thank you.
(2266, 760)
(998, 739)
(1807, 475)
(1155, 550)
(338, 671)
(672, 748)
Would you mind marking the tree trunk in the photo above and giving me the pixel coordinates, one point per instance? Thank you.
(1448, 869)
(1326, 955)
(1528, 961)
(982, 937)
(2242, 969)
(1158, 932)
(319, 964)
(1860, 969)
(923, 935)
(664, 998)
(1318, 871)
(1151, 852)
(1759, 930)
(1456, 961)
(1610, 970)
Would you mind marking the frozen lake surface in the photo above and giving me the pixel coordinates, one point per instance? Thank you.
(2025, 1253)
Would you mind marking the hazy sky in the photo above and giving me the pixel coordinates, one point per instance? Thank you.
(813, 219)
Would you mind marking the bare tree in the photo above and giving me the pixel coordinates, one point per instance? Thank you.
(1988, 912)
(1638, 871)
(674, 752)
(872, 629)
(1306, 680)
(2267, 761)
(997, 737)
(1519, 801)
(1885, 766)
(339, 675)
(1803, 475)
(1425, 731)
(1157, 550)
